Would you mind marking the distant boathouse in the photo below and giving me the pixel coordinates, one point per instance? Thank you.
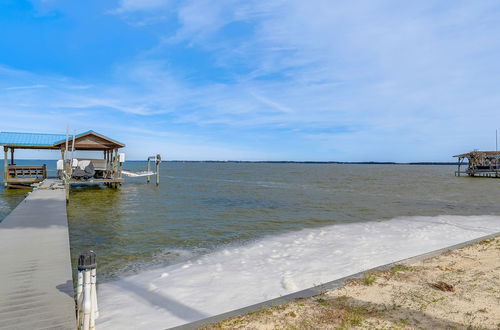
(479, 163)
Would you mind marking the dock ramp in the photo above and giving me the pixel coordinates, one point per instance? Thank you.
(36, 286)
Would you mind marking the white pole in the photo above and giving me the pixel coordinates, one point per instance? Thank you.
(86, 293)
(79, 290)
(73, 146)
(93, 283)
(87, 301)
(67, 138)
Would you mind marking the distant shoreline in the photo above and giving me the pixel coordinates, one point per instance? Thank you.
(311, 162)
(282, 162)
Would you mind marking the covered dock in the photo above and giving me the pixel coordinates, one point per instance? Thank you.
(103, 170)
(479, 163)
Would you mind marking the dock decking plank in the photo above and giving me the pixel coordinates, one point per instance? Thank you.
(36, 288)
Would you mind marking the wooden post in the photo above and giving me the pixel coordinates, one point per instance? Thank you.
(120, 168)
(11, 156)
(107, 164)
(115, 167)
(148, 179)
(115, 163)
(158, 161)
(459, 163)
(66, 188)
(5, 166)
(104, 153)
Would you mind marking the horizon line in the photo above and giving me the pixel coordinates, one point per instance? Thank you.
(287, 161)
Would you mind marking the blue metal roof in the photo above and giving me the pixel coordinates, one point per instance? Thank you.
(30, 139)
(41, 139)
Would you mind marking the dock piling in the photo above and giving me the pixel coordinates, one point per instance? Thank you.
(148, 179)
(86, 291)
(158, 161)
(5, 166)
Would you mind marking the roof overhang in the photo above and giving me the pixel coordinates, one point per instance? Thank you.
(484, 153)
(89, 140)
(25, 146)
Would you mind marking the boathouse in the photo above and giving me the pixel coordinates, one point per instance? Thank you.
(479, 163)
(104, 170)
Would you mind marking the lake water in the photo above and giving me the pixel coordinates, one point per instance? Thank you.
(214, 237)
(202, 207)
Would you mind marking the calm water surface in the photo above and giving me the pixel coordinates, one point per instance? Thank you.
(199, 207)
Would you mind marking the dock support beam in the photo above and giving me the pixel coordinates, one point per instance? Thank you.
(66, 188)
(5, 166)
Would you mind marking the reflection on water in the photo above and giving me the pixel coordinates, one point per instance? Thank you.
(199, 207)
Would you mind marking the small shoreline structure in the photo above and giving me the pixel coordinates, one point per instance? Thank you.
(479, 163)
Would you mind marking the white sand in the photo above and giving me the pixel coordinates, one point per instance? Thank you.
(459, 290)
(239, 276)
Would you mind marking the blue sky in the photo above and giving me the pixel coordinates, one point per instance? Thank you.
(256, 80)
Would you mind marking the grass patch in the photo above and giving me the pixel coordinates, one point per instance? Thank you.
(323, 302)
(368, 279)
(353, 317)
(399, 268)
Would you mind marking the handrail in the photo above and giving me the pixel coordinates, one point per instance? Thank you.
(21, 171)
(37, 167)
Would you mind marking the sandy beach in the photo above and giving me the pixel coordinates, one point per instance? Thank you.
(459, 289)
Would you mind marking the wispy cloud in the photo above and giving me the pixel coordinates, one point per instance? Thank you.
(347, 81)
(25, 87)
(141, 5)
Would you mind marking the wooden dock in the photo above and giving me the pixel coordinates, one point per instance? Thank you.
(36, 284)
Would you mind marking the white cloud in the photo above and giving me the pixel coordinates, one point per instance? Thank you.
(141, 5)
(25, 87)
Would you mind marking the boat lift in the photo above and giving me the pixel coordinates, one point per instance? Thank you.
(148, 173)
